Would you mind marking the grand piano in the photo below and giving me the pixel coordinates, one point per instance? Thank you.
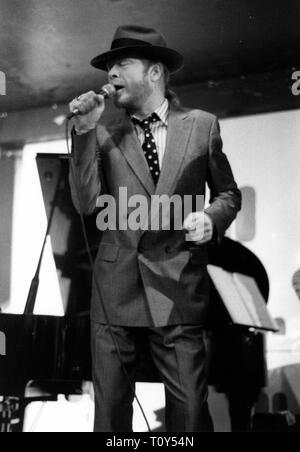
(47, 355)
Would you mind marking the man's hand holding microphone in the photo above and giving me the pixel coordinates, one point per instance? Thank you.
(86, 110)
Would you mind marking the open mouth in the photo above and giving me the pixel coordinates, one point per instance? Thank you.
(118, 87)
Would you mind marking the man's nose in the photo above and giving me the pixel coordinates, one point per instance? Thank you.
(113, 73)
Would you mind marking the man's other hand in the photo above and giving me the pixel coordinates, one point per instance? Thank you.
(199, 226)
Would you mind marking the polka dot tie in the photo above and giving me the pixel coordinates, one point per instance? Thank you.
(149, 146)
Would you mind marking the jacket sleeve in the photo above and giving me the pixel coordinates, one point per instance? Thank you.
(225, 201)
(85, 172)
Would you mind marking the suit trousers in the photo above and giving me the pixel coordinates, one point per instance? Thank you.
(178, 352)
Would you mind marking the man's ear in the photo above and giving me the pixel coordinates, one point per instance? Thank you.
(156, 72)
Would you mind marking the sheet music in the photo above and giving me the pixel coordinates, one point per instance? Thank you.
(224, 283)
(242, 298)
(254, 301)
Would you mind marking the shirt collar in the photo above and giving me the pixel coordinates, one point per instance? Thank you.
(162, 112)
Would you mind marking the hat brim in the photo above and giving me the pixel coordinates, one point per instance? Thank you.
(172, 59)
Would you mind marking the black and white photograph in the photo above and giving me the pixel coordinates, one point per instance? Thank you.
(149, 219)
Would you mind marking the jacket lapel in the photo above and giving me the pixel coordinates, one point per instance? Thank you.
(179, 130)
(126, 139)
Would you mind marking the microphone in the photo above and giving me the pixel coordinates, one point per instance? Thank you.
(106, 91)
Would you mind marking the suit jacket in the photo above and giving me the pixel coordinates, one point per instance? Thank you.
(147, 277)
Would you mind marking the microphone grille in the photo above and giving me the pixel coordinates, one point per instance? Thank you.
(109, 89)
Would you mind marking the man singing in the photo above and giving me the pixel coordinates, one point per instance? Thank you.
(153, 283)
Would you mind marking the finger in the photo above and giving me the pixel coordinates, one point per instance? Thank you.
(99, 99)
(202, 231)
(203, 237)
(194, 219)
(199, 238)
(187, 222)
(201, 242)
(209, 232)
(189, 239)
(90, 103)
(207, 236)
(74, 104)
(199, 225)
(190, 229)
(195, 237)
(198, 230)
(190, 225)
(86, 102)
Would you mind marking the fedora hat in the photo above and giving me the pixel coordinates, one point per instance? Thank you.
(141, 41)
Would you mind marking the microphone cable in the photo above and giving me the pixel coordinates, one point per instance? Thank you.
(92, 267)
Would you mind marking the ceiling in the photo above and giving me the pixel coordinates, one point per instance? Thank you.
(46, 45)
